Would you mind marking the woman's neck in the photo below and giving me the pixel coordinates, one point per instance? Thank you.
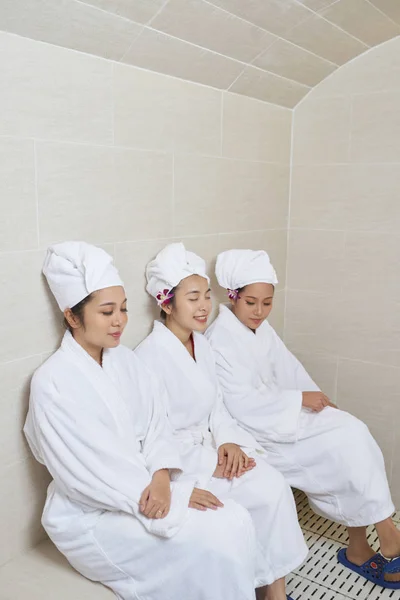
(180, 332)
(94, 352)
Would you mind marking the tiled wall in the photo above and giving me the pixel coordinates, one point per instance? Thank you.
(129, 160)
(343, 298)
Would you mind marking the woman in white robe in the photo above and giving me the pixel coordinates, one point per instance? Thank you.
(326, 452)
(177, 352)
(96, 420)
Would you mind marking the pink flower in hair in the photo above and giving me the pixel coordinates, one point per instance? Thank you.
(164, 297)
(233, 294)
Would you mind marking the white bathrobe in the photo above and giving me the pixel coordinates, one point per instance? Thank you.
(201, 423)
(102, 432)
(330, 455)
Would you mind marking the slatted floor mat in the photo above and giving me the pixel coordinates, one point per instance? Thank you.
(321, 577)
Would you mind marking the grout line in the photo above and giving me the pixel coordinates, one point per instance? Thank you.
(129, 48)
(350, 128)
(159, 11)
(16, 360)
(173, 196)
(36, 193)
(277, 36)
(384, 14)
(288, 227)
(113, 104)
(107, 12)
(222, 123)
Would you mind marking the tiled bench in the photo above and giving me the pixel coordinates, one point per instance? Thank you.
(44, 574)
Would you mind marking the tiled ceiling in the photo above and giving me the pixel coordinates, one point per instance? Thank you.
(274, 50)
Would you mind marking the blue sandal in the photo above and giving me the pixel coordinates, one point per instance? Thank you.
(374, 569)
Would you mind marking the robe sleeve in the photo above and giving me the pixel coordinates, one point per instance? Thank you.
(266, 410)
(160, 449)
(289, 371)
(224, 427)
(89, 463)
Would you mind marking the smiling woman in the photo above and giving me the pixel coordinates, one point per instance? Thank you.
(216, 453)
(96, 421)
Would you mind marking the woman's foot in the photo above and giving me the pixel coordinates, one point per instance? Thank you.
(389, 537)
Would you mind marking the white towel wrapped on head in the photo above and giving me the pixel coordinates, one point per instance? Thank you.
(75, 269)
(169, 267)
(237, 268)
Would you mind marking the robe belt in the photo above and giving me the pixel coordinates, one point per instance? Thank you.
(196, 437)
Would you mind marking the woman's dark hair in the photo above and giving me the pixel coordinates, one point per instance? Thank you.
(77, 311)
(163, 314)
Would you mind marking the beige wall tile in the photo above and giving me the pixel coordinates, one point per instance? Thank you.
(202, 188)
(53, 93)
(321, 131)
(77, 196)
(141, 11)
(103, 194)
(13, 409)
(277, 315)
(371, 261)
(71, 24)
(317, 5)
(269, 87)
(143, 182)
(205, 25)
(378, 70)
(311, 323)
(15, 379)
(157, 51)
(316, 260)
(319, 195)
(131, 259)
(351, 197)
(253, 130)
(368, 330)
(29, 327)
(18, 227)
(16, 375)
(323, 370)
(23, 486)
(46, 574)
(361, 19)
(326, 40)
(368, 390)
(390, 7)
(157, 112)
(218, 195)
(375, 134)
(288, 60)
(277, 17)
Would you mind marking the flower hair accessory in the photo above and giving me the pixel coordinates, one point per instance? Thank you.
(233, 294)
(164, 297)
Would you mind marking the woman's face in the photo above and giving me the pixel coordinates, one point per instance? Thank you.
(104, 319)
(254, 304)
(192, 304)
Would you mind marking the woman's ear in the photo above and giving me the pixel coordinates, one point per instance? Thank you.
(167, 309)
(71, 319)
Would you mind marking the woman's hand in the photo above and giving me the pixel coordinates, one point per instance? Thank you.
(202, 500)
(155, 500)
(235, 460)
(316, 401)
